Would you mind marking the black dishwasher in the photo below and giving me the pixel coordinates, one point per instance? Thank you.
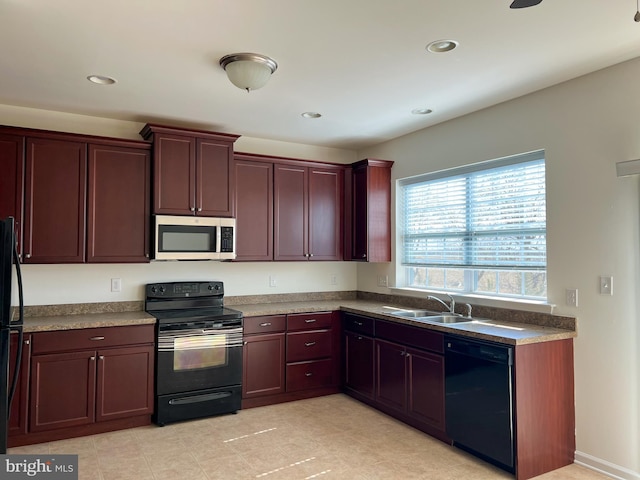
(479, 400)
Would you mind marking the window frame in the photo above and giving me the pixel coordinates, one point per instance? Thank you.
(471, 272)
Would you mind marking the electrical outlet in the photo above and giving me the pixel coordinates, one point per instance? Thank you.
(116, 285)
(572, 297)
(272, 281)
(333, 279)
(383, 281)
(606, 285)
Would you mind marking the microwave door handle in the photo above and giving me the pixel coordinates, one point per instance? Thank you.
(218, 237)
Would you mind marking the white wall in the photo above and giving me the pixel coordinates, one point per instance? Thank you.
(57, 284)
(585, 126)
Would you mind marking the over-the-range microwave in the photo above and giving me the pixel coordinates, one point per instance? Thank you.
(194, 238)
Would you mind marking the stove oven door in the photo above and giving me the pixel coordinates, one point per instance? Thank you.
(198, 357)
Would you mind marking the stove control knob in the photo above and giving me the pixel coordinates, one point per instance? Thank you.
(161, 289)
(154, 289)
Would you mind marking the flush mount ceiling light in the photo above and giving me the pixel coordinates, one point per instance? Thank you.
(101, 79)
(248, 71)
(311, 114)
(441, 46)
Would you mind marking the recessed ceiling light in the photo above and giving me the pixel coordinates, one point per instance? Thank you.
(421, 111)
(441, 46)
(101, 79)
(311, 115)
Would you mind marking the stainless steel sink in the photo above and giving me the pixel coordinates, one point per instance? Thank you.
(445, 318)
(414, 313)
(430, 317)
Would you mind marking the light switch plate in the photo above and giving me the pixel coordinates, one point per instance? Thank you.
(606, 285)
(571, 297)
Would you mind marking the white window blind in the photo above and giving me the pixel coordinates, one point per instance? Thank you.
(490, 215)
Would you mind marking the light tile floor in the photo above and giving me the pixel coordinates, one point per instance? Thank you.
(332, 437)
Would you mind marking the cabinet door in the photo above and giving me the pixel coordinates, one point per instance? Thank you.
(426, 387)
(290, 213)
(125, 382)
(174, 171)
(359, 234)
(12, 179)
(391, 380)
(359, 363)
(20, 405)
(254, 210)
(55, 198)
(214, 178)
(325, 214)
(371, 212)
(263, 365)
(63, 387)
(118, 217)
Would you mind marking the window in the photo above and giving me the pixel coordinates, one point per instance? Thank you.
(477, 229)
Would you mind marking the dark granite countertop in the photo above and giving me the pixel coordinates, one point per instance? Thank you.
(513, 333)
(504, 326)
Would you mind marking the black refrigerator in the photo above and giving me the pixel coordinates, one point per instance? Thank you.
(8, 323)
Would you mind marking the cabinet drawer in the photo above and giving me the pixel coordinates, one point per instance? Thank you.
(305, 375)
(91, 338)
(358, 324)
(309, 321)
(308, 345)
(265, 324)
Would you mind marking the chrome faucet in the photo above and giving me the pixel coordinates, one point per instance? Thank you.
(452, 303)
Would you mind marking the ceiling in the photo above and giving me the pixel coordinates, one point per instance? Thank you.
(362, 64)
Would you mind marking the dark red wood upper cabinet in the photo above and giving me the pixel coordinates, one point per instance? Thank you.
(192, 171)
(174, 175)
(290, 205)
(254, 210)
(325, 213)
(307, 213)
(12, 179)
(118, 206)
(215, 178)
(55, 201)
(371, 211)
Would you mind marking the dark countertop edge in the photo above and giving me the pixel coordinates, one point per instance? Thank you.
(87, 320)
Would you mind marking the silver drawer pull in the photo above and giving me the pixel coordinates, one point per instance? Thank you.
(311, 320)
(308, 374)
(309, 344)
(101, 357)
(265, 324)
(92, 358)
(358, 323)
(96, 338)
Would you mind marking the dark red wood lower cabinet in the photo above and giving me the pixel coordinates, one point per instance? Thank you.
(264, 365)
(20, 405)
(63, 390)
(125, 382)
(359, 364)
(391, 376)
(80, 388)
(425, 374)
